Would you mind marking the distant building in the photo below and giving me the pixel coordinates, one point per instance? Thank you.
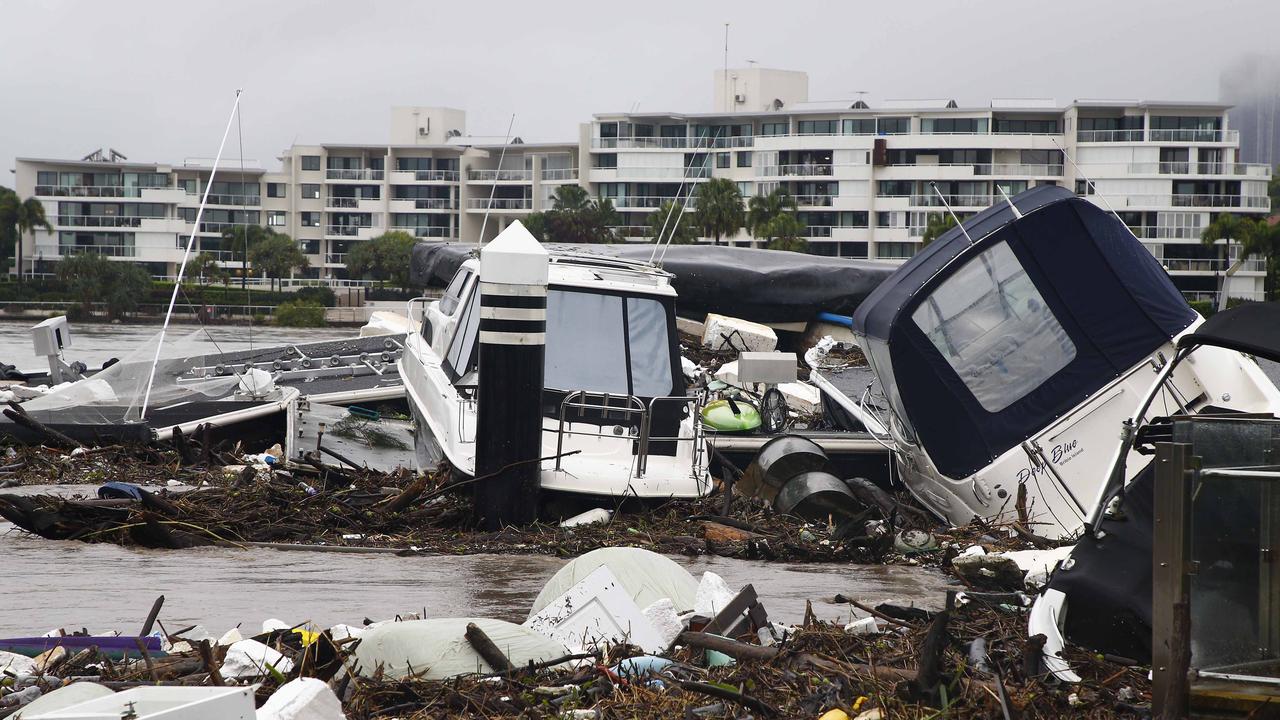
(1252, 86)
(862, 172)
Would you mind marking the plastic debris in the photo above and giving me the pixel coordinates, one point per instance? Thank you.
(863, 626)
(713, 595)
(15, 664)
(722, 333)
(914, 541)
(662, 615)
(302, 699)
(250, 659)
(595, 612)
(594, 515)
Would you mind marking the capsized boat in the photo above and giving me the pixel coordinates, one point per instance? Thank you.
(1013, 348)
(613, 391)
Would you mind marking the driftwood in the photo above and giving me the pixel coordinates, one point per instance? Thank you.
(16, 413)
(732, 696)
(485, 648)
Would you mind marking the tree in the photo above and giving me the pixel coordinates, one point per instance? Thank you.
(762, 209)
(719, 208)
(1273, 190)
(18, 217)
(277, 256)
(93, 278)
(383, 258)
(668, 224)
(935, 226)
(784, 231)
(240, 240)
(1254, 237)
(204, 268)
(575, 218)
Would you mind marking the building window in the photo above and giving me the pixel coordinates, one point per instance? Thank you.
(276, 190)
(893, 125)
(1009, 126)
(310, 162)
(884, 219)
(818, 127)
(188, 214)
(894, 188)
(773, 128)
(744, 158)
(277, 218)
(311, 191)
(953, 126)
(1084, 187)
(722, 160)
(745, 189)
(859, 126)
(604, 160)
(189, 186)
(310, 219)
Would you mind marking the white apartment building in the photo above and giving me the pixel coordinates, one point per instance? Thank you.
(863, 174)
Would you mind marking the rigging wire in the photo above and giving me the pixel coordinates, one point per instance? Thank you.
(186, 255)
(493, 189)
(686, 175)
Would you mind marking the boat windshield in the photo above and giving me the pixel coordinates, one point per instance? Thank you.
(992, 326)
(607, 343)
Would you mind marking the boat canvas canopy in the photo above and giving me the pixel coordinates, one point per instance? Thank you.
(989, 336)
(1252, 328)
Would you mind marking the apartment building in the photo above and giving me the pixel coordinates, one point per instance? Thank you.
(866, 176)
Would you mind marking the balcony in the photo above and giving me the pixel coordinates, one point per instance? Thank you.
(361, 231)
(94, 191)
(641, 202)
(362, 175)
(1156, 232)
(500, 203)
(342, 202)
(235, 200)
(696, 172)
(672, 143)
(796, 170)
(1253, 202)
(966, 201)
(67, 250)
(1018, 169)
(501, 176)
(814, 200)
(1253, 170)
(559, 174)
(1157, 135)
(99, 221)
(1106, 136)
(335, 259)
(423, 231)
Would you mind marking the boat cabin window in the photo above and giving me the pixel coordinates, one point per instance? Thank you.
(452, 296)
(607, 343)
(461, 355)
(992, 325)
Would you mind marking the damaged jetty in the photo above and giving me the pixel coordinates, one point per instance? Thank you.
(1088, 463)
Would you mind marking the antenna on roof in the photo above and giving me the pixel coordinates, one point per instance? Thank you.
(947, 205)
(493, 189)
(1016, 212)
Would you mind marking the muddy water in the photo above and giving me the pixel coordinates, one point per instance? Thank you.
(46, 584)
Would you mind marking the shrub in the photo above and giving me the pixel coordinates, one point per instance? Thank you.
(300, 313)
(1204, 307)
(318, 295)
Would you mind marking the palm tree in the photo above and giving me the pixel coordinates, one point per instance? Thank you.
(935, 226)
(20, 217)
(1254, 237)
(762, 209)
(241, 240)
(719, 208)
(784, 232)
(666, 224)
(573, 198)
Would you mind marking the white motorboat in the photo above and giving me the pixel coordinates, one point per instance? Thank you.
(1013, 349)
(617, 419)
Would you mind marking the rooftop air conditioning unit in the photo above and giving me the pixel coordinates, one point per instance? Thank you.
(739, 99)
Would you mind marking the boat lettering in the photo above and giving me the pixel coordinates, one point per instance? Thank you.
(1059, 454)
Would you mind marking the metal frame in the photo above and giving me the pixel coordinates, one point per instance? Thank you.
(1175, 475)
(635, 407)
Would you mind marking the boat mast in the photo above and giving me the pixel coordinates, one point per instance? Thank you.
(186, 255)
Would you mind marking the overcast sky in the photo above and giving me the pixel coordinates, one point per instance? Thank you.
(155, 80)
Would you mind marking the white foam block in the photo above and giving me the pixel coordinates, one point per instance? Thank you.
(597, 610)
(302, 699)
(251, 659)
(728, 333)
(662, 615)
(713, 595)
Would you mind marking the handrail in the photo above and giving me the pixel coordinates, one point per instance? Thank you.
(635, 407)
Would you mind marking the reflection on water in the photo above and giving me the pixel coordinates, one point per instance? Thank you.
(52, 584)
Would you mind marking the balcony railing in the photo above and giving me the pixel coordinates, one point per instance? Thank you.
(633, 230)
(65, 250)
(342, 202)
(1156, 232)
(425, 231)
(1159, 135)
(814, 200)
(345, 230)
(953, 200)
(335, 258)
(672, 143)
(646, 201)
(106, 221)
(482, 175)
(236, 200)
(798, 169)
(1032, 169)
(434, 175)
(669, 172)
(354, 174)
(435, 203)
(1205, 265)
(1130, 135)
(500, 203)
(554, 174)
(1258, 202)
(219, 227)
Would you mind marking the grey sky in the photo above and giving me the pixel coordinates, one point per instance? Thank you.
(155, 79)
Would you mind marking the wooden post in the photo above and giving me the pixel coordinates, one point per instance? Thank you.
(1170, 588)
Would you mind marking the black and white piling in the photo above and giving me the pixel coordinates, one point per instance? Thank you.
(513, 323)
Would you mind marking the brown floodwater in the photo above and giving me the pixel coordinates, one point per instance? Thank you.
(48, 584)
